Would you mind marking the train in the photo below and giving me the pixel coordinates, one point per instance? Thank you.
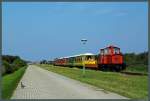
(109, 58)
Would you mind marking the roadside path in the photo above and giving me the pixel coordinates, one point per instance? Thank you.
(43, 84)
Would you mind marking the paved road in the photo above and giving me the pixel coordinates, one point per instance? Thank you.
(43, 84)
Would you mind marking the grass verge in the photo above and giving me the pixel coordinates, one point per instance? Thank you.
(135, 87)
(10, 82)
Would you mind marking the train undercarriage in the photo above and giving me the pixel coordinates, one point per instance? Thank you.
(111, 67)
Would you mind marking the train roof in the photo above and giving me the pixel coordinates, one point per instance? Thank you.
(110, 46)
(85, 54)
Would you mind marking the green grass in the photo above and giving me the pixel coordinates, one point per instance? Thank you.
(130, 86)
(10, 82)
(140, 68)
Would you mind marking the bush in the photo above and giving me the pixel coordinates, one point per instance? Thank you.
(11, 64)
(14, 67)
(10, 59)
(7, 67)
(3, 70)
(19, 63)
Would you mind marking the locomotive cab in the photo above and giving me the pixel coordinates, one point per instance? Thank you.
(110, 58)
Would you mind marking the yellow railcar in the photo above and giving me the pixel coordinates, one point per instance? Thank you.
(88, 60)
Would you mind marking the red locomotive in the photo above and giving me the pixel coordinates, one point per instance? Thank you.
(110, 58)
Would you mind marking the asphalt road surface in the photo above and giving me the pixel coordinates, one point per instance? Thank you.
(43, 84)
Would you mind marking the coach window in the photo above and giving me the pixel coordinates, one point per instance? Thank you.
(80, 58)
(89, 57)
(95, 57)
(85, 57)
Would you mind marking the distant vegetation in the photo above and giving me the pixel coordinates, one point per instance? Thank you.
(11, 64)
(46, 62)
(136, 62)
(132, 58)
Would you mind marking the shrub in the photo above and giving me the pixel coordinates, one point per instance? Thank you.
(9, 58)
(19, 63)
(3, 70)
(7, 67)
(11, 64)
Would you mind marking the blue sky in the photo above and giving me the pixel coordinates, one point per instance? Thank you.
(37, 31)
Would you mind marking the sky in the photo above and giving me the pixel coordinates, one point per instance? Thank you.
(48, 30)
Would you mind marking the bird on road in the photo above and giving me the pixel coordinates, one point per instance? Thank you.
(22, 85)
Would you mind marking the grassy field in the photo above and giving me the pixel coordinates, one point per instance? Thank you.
(130, 86)
(140, 68)
(10, 82)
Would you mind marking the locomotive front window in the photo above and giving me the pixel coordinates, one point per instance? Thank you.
(116, 51)
(102, 52)
(106, 51)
